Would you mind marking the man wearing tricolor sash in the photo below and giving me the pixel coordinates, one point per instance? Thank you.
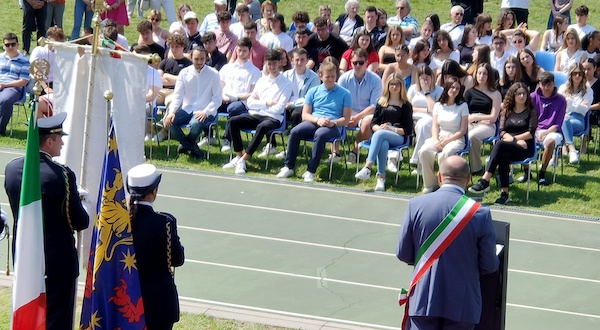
(450, 240)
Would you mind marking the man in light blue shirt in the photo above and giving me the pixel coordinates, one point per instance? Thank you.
(403, 19)
(327, 109)
(365, 88)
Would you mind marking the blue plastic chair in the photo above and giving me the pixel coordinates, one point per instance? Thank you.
(212, 125)
(22, 103)
(399, 149)
(545, 59)
(278, 131)
(492, 139)
(583, 133)
(528, 161)
(338, 140)
(560, 78)
(462, 153)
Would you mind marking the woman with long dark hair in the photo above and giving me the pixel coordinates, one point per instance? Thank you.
(157, 248)
(518, 122)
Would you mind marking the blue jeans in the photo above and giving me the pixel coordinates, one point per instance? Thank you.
(307, 131)
(574, 123)
(8, 97)
(381, 141)
(567, 14)
(183, 118)
(78, 17)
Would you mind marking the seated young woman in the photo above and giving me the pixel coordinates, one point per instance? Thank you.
(391, 124)
(518, 122)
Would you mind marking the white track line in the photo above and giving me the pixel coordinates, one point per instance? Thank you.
(554, 310)
(288, 241)
(281, 210)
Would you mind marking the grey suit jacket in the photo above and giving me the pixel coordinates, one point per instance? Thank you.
(450, 288)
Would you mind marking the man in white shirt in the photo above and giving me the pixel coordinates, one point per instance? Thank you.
(499, 53)
(266, 111)
(455, 27)
(196, 97)
(582, 28)
(238, 79)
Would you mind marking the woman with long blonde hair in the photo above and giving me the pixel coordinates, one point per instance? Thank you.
(570, 52)
(391, 124)
(579, 99)
(387, 52)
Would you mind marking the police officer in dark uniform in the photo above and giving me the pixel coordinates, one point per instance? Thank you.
(63, 214)
(157, 249)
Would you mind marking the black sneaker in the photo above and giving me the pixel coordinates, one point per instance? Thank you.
(523, 178)
(503, 199)
(482, 186)
(542, 179)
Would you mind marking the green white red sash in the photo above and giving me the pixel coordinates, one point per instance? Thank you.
(437, 242)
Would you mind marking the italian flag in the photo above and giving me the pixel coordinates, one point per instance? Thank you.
(29, 288)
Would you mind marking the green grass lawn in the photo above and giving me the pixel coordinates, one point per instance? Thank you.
(187, 322)
(575, 191)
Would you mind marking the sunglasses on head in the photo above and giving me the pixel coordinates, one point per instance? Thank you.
(355, 63)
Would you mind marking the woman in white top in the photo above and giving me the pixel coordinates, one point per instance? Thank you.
(579, 99)
(443, 49)
(483, 25)
(179, 26)
(449, 126)
(570, 52)
(553, 38)
(422, 95)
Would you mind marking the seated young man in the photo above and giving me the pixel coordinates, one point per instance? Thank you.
(551, 108)
(327, 109)
(266, 111)
(196, 97)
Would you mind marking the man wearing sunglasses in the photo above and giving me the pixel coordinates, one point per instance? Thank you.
(455, 27)
(14, 75)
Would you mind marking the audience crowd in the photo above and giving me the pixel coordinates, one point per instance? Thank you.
(451, 82)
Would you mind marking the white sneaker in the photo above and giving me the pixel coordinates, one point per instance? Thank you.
(391, 165)
(240, 167)
(308, 177)
(415, 172)
(395, 154)
(280, 155)
(363, 174)
(232, 163)
(268, 149)
(380, 185)
(333, 157)
(226, 146)
(574, 157)
(351, 158)
(285, 172)
(205, 141)
(158, 137)
(552, 162)
(147, 138)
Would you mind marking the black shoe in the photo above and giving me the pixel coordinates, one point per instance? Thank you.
(542, 179)
(503, 199)
(181, 149)
(196, 153)
(482, 186)
(523, 178)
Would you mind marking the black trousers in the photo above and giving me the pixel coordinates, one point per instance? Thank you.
(503, 154)
(60, 299)
(262, 125)
(33, 19)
